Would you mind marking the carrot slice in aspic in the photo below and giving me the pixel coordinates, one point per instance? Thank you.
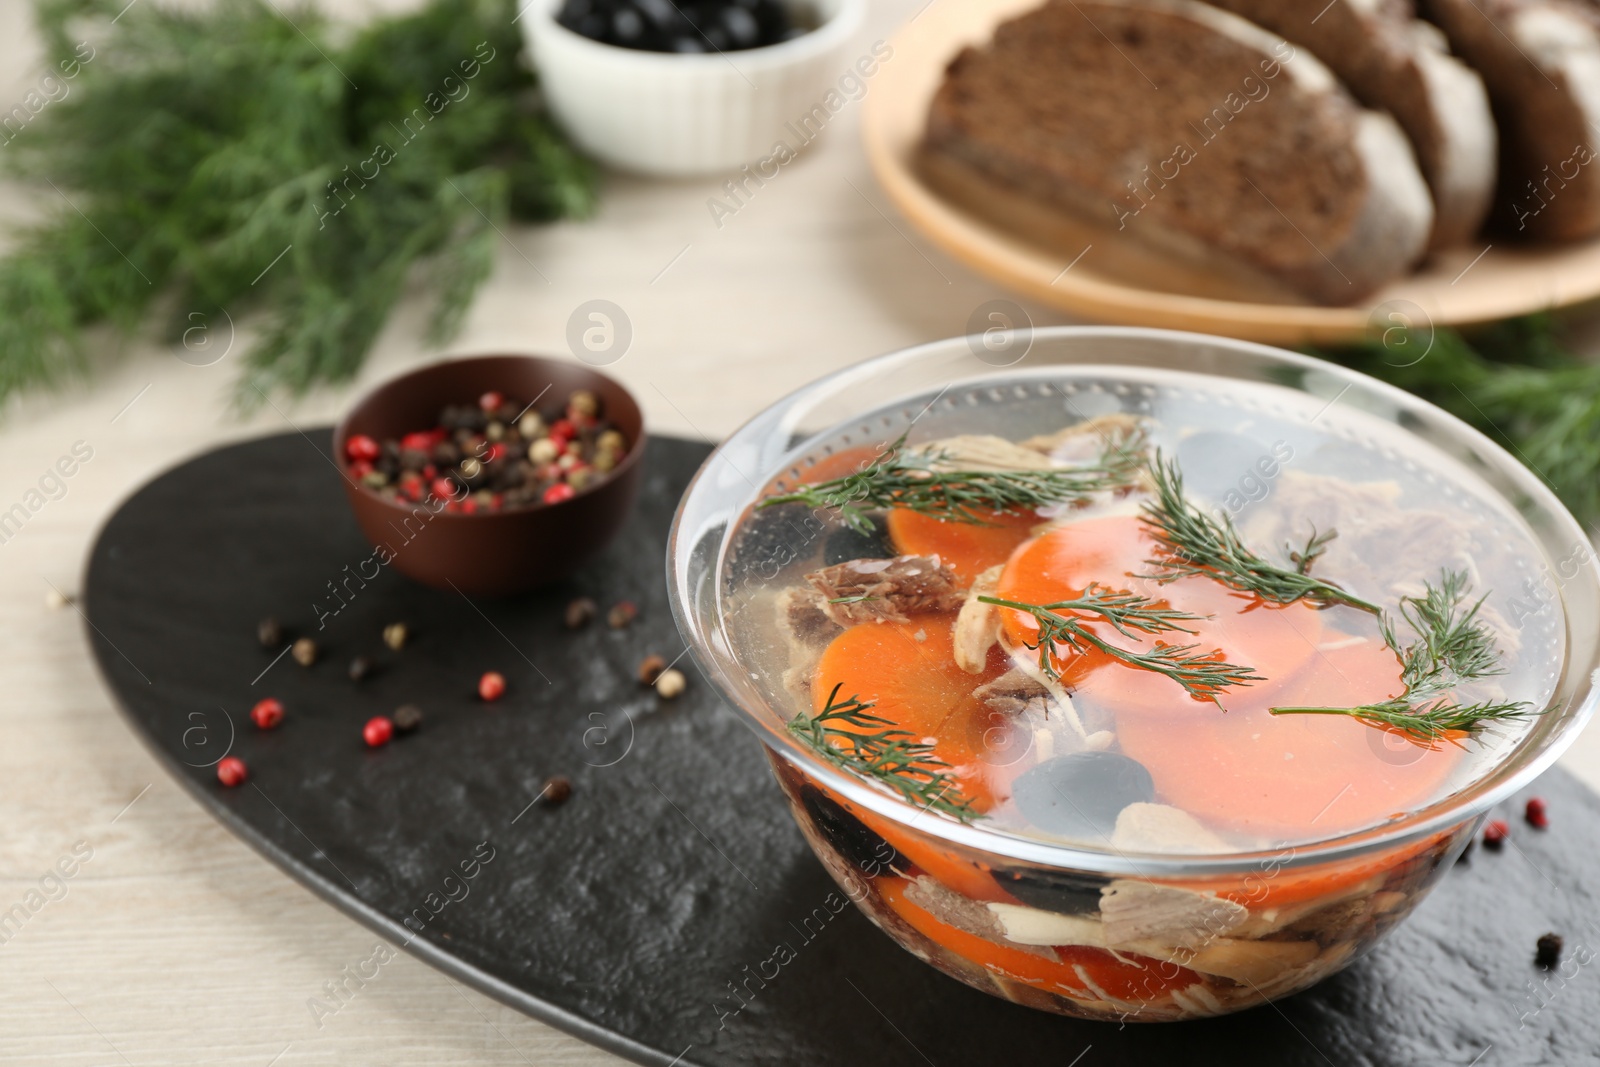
(1111, 553)
(966, 548)
(1241, 768)
(907, 672)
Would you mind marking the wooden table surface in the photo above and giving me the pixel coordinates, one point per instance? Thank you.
(174, 942)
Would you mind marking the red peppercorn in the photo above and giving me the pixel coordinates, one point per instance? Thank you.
(360, 469)
(443, 488)
(469, 506)
(267, 713)
(360, 446)
(429, 471)
(378, 731)
(563, 428)
(496, 450)
(559, 492)
(1495, 834)
(1535, 813)
(492, 685)
(231, 771)
(491, 401)
(495, 501)
(421, 441)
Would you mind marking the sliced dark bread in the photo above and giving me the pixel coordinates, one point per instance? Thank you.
(1541, 62)
(1391, 60)
(1188, 128)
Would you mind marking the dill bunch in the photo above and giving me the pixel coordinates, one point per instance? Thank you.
(1516, 382)
(252, 158)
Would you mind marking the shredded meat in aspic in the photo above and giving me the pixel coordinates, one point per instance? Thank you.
(891, 590)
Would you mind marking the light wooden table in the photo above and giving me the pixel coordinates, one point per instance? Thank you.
(175, 943)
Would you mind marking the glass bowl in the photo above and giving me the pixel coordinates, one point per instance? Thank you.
(1048, 924)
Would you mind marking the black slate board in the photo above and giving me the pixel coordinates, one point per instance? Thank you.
(674, 871)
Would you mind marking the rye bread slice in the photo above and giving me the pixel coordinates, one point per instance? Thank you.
(1189, 128)
(1541, 62)
(1391, 60)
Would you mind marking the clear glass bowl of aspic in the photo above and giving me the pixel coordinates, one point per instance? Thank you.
(1071, 831)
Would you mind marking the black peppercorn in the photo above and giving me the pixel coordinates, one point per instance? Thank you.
(581, 613)
(407, 717)
(269, 633)
(556, 791)
(361, 667)
(1548, 951)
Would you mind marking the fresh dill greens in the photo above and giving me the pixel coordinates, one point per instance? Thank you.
(923, 481)
(1452, 648)
(1515, 381)
(1203, 675)
(1194, 543)
(850, 737)
(251, 158)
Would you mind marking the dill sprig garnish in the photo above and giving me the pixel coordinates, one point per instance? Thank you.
(923, 481)
(1203, 675)
(850, 737)
(1453, 647)
(1197, 544)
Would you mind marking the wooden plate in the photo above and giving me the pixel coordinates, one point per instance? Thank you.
(1475, 283)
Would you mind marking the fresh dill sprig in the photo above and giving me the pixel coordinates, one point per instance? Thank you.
(1194, 543)
(1203, 675)
(921, 481)
(850, 737)
(1453, 647)
(1428, 720)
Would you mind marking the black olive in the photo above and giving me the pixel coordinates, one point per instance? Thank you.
(848, 543)
(742, 28)
(627, 25)
(1060, 891)
(661, 13)
(1081, 795)
(867, 851)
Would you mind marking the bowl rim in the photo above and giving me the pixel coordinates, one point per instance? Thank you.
(834, 30)
(341, 432)
(1441, 817)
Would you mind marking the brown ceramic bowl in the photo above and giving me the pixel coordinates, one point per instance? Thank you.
(494, 553)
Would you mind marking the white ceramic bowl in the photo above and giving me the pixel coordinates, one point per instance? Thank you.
(674, 115)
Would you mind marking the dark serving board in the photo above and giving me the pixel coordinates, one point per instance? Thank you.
(674, 873)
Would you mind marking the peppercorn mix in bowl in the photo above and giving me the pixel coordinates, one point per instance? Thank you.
(494, 474)
(1149, 677)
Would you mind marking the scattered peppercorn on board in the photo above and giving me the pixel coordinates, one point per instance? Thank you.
(666, 907)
